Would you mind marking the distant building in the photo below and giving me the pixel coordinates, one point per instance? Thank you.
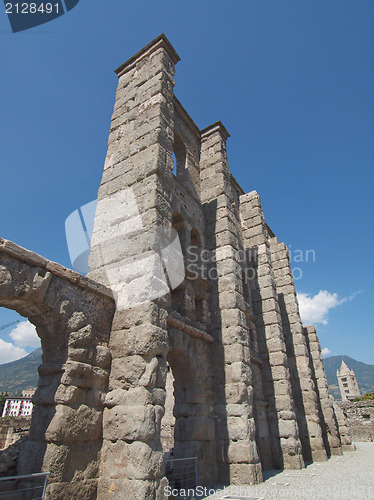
(28, 393)
(347, 383)
(19, 407)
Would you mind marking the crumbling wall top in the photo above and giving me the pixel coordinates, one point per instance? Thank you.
(22, 254)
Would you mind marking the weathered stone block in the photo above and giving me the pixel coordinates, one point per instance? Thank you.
(287, 428)
(239, 452)
(74, 425)
(135, 396)
(134, 461)
(245, 474)
(129, 423)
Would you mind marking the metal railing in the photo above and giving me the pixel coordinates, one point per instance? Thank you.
(182, 473)
(28, 487)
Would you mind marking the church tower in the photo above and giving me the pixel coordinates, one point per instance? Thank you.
(347, 383)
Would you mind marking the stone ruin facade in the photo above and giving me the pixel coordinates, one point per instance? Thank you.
(250, 392)
(360, 418)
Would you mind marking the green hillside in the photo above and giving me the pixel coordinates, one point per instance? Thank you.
(21, 374)
(364, 374)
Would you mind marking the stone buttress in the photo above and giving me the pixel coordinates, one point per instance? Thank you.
(277, 383)
(236, 443)
(326, 407)
(138, 160)
(302, 383)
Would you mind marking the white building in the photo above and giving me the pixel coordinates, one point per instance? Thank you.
(19, 407)
(28, 393)
(347, 383)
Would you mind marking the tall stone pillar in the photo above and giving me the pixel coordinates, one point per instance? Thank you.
(303, 386)
(260, 412)
(329, 423)
(132, 204)
(345, 437)
(286, 447)
(235, 432)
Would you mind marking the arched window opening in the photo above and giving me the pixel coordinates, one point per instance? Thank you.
(199, 310)
(179, 152)
(174, 164)
(195, 238)
(194, 253)
(168, 420)
(178, 300)
(246, 289)
(179, 225)
(179, 391)
(177, 221)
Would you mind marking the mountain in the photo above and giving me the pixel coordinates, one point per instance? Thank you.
(364, 374)
(21, 374)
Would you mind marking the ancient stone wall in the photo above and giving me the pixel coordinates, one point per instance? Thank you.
(345, 437)
(245, 387)
(249, 388)
(14, 432)
(327, 415)
(360, 419)
(72, 316)
(12, 429)
(276, 376)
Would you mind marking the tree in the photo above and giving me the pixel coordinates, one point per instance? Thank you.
(366, 397)
(3, 397)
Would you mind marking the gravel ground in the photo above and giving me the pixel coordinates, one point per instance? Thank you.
(346, 477)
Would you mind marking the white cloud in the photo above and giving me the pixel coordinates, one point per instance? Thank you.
(315, 309)
(326, 351)
(25, 335)
(10, 352)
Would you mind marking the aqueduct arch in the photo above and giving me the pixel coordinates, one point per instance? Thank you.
(72, 316)
(194, 433)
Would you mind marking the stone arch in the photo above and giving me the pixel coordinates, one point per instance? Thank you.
(194, 251)
(180, 154)
(194, 433)
(195, 237)
(178, 223)
(178, 383)
(178, 295)
(72, 316)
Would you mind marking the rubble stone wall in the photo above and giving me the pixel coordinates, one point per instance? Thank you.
(12, 429)
(360, 419)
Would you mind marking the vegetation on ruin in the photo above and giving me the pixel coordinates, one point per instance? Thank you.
(3, 397)
(366, 397)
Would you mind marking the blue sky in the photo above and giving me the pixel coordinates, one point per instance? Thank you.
(292, 81)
